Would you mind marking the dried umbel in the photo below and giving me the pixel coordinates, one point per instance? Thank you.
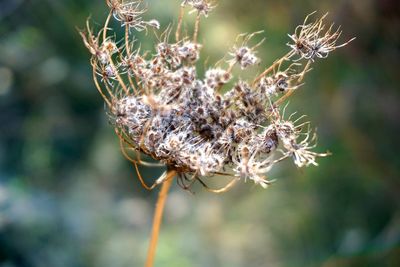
(210, 126)
(196, 126)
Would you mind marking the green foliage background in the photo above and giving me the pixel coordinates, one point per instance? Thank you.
(68, 198)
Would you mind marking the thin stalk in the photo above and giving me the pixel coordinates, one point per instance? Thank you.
(277, 62)
(180, 19)
(162, 196)
(196, 28)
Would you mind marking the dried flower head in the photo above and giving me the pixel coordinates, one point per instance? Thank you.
(313, 40)
(203, 7)
(160, 106)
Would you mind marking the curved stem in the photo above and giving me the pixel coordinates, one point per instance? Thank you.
(162, 196)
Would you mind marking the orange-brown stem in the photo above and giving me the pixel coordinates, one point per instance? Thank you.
(162, 196)
(180, 19)
(196, 28)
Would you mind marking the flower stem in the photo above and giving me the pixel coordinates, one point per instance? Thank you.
(162, 196)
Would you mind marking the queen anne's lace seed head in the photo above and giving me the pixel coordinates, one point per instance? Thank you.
(244, 56)
(216, 78)
(189, 51)
(203, 7)
(314, 40)
(204, 126)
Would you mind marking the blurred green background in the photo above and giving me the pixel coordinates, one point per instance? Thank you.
(68, 198)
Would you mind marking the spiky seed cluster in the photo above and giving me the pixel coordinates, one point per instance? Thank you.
(313, 40)
(203, 7)
(194, 125)
(129, 13)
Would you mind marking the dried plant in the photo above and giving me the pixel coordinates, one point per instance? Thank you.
(195, 126)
